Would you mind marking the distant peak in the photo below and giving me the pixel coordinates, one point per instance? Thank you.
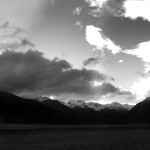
(76, 102)
(43, 98)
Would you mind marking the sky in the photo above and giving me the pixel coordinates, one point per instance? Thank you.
(91, 50)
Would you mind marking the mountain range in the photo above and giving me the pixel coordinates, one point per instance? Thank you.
(43, 110)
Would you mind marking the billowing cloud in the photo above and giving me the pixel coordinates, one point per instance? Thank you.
(95, 37)
(31, 71)
(31, 74)
(137, 9)
(109, 93)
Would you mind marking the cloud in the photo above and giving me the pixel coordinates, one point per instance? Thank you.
(120, 8)
(31, 74)
(137, 9)
(14, 38)
(106, 8)
(91, 61)
(95, 37)
(141, 88)
(109, 93)
(124, 98)
(141, 51)
(77, 11)
(104, 92)
(79, 24)
(30, 71)
(96, 3)
(121, 61)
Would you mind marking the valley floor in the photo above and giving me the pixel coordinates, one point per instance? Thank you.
(38, 137)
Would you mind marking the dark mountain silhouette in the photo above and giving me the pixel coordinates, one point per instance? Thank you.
(97, 113)
(140, 113)
(70, 115)
(15, 109)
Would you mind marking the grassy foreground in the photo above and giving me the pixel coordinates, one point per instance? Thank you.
(73, 138)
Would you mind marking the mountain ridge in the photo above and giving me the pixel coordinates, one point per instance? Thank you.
(98, 106)
(43, 110)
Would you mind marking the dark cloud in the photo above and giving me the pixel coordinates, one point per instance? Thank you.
(30, 73)
(91, 61)
(25, 42)
(108, 88)
(133, 31)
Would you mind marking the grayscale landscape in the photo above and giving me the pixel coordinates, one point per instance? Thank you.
(74, 74)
